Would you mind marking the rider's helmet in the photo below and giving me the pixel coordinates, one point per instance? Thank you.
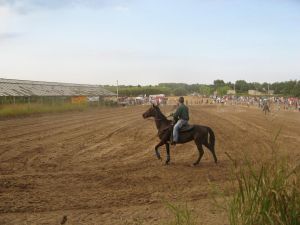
(181, 99)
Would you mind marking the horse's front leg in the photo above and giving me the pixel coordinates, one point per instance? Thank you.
(168, 153)
(156, 149)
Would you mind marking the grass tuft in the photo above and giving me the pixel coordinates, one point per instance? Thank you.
(182, 215)
(267, 193)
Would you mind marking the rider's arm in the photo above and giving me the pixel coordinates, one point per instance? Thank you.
(177, 113)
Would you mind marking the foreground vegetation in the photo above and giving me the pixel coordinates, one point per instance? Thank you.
(265, 193)
(182, 215)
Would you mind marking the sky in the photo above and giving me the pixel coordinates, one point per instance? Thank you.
(150, 41)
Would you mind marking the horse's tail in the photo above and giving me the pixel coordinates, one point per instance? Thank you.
(211, 144)
(211, 138)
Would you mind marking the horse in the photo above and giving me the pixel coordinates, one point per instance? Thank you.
(202, 135)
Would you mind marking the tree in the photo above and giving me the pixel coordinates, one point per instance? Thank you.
(223, 90)
(241, 86)
(180, 91)
(229, 84)
(296, 90)
(219, 83)
(205, 90)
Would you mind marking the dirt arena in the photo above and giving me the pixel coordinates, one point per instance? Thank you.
(99, 167)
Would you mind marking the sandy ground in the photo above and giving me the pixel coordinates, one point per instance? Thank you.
(99, 167)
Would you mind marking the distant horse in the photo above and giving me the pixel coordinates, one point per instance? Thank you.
(266, 109)
(201, 135)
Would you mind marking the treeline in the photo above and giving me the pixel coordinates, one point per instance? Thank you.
(287, 88)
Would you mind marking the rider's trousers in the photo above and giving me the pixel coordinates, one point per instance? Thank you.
(180, 123)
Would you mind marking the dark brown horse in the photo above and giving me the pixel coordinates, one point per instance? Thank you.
(201, 135)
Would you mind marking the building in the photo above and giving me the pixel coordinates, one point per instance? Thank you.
(12, 91)
(254, 92)
(231, 92)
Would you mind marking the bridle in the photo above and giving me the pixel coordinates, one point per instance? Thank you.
(156, 119)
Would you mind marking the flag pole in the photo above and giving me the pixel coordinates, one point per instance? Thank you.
(117, 90)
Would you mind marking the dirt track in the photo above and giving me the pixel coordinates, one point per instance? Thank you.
(99, 167)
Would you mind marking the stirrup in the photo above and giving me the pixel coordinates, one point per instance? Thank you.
(173, 142)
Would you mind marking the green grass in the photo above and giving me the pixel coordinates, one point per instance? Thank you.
(21, 110)
(182, 215)
(266, 193)
(267, 190)
(18, 110)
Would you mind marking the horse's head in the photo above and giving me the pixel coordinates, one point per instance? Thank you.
(151, 112)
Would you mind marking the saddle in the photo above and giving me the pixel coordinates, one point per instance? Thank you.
(186, 128)
(183, 129)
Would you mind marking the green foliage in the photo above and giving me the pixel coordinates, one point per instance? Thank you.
(182, 215)
(180, 91)
(205, 90)
(223, 90)
(295, 91)
(174, 85)
(241, 86)
(132, 91)
(219, 83)
(288, 88)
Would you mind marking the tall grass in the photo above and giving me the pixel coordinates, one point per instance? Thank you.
(17, 110)
(267, 193)
(182, 215)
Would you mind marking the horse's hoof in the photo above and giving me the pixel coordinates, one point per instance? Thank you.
(167, 163)
(195, 164)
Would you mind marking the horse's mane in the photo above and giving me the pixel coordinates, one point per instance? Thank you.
(161, 115)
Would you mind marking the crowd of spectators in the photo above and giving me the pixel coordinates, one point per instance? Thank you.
(274, 102)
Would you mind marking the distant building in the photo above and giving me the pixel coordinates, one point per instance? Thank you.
(12, 91)
(254, 92)
(231, 92)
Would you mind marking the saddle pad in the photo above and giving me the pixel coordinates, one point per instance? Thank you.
(186, 128)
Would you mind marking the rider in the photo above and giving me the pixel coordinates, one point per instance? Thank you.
(181, 118)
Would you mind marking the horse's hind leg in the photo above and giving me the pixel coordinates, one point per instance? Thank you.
(200, 150)
(168, 153)
(212, 150)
